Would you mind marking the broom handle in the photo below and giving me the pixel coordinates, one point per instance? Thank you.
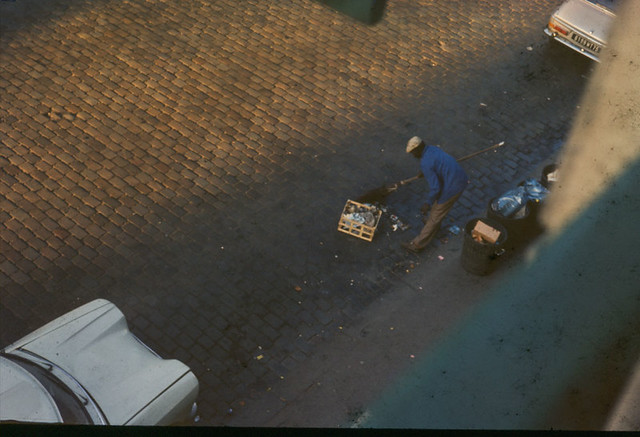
(495, 146)
(411, 179)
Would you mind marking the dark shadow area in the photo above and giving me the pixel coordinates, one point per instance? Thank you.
(552, 346)
(366, 11)
(22, 14)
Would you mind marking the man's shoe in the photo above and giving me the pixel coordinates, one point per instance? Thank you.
(411, 247)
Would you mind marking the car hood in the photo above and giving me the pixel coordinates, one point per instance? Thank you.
(590, 19)
(95, 346)
(23, 398)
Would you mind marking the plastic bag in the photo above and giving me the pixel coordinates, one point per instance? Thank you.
(511, 202)
(534, 190)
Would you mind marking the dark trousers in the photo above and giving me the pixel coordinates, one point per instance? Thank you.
(437, 213)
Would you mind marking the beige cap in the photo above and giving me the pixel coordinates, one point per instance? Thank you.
(413, 144)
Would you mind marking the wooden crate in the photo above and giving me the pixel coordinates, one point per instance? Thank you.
(355, 228)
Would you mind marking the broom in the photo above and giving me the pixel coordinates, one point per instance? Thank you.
(380, 193)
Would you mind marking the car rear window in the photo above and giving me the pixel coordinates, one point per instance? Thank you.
(71, 409)
(609, 4)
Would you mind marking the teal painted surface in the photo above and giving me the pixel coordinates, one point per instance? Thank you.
(563, 324)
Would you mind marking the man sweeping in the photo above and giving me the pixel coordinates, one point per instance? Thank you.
(447, 180)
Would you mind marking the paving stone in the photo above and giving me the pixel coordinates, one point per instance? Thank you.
(239, 126)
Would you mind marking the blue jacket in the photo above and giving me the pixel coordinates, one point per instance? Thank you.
(445, 176)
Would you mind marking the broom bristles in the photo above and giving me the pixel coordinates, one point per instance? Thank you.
(375, 195)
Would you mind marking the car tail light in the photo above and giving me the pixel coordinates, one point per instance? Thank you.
(554, 26)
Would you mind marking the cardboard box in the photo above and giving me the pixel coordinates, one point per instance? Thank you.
(486, 232)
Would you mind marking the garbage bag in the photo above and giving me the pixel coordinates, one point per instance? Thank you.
(511, 202)
(534, 190)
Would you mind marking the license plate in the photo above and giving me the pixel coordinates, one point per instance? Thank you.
(595, 48)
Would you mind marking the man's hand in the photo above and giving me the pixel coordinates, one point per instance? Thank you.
(424, 209)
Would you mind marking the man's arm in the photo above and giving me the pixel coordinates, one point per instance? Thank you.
(434, 185)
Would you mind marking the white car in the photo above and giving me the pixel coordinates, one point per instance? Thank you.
(583, 25)
(86, 367)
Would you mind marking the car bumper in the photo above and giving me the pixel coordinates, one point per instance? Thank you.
(571, 45)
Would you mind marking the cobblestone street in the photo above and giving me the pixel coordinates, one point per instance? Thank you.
(189, 161)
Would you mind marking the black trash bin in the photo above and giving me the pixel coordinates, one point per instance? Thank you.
(534, 203)
(535, 228)
(544, 177)
(482, 258)
(520, 227)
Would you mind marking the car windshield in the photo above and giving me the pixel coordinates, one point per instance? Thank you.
(71, 407)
